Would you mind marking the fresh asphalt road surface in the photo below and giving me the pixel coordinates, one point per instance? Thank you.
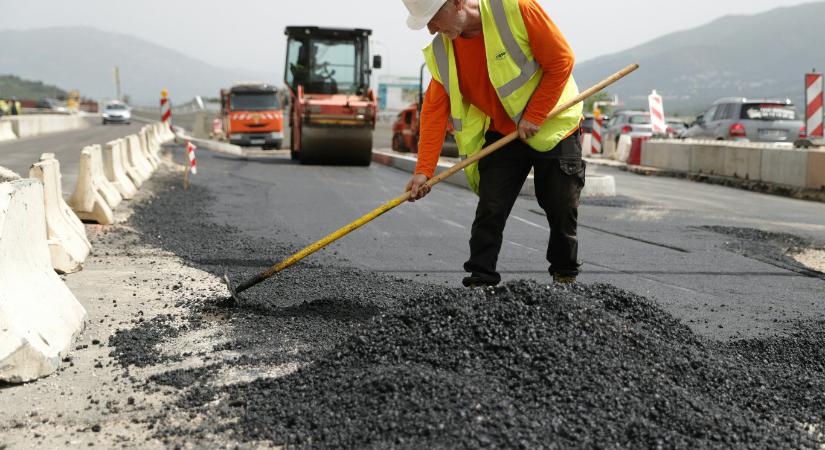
(19, 155)
(648, 243)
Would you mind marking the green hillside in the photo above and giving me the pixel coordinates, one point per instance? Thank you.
(14, 86)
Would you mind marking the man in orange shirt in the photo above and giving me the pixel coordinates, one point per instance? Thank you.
(558, 171)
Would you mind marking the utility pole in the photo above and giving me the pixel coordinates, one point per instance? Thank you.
(117, 81)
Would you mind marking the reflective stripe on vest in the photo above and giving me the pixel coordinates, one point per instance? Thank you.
(443, 62)
(528, 68)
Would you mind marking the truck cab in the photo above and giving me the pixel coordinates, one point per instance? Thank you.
(252, 115)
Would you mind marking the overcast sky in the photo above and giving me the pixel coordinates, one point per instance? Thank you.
(248, 34)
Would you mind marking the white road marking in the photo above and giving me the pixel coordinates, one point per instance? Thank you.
(523, 246)
(454, 224)
(532, 224)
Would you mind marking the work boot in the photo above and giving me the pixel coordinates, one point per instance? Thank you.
(475, 281)
(564, 279)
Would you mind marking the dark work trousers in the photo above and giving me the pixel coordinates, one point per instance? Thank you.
(559, 178)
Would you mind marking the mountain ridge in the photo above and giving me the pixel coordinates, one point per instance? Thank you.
(62, 56)
(760, 55)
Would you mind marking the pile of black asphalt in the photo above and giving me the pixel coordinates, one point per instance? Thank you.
(384, 362)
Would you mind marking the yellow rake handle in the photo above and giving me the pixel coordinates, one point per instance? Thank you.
(369, 217)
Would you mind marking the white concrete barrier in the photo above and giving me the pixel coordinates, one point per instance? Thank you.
(672, 155)
(68, 248)
(107, 189)
(144, 147)
(6, 131)
(587, 144)
(785, 166)
(623, 148)
(114, 169)
(707, 157)
(87, 201)
(136, 156)
(38, 124)
(68, 214)
(8, 175)
(743, 162)
(39, 316)
(816, 169)
(134, 176)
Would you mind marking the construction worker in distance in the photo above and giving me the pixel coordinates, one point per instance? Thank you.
(501, 66)
(16, 108)
(4, 107)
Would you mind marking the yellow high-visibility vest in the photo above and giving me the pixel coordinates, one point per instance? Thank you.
(513, 72)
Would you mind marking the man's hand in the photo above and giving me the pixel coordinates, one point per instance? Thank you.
(418, 187)
(527, 129)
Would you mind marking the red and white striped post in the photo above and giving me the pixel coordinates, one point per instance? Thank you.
(193, 164)
(165, 109)
(596, 136)
(657, 114)
(814, 112)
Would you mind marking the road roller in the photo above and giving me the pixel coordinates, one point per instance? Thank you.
(333, 109)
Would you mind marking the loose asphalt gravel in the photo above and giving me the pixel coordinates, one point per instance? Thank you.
(383, 362)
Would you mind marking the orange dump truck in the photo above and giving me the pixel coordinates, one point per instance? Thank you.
(252, 115)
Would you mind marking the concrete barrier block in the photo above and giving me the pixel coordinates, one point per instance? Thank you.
(25, 126)
(134, 176)
(816, 169)
(742, 161)
(609, 148)
(707, 157)
(587, 144)
(144, 147)
(104, 186)
(115, 173)
(623, 148)
(8, 175)
(667, 154)
(6, 131)
(39, 316)
(136, 157)
(67, 246)
(70, 216)
(87, 201)
(785, 166)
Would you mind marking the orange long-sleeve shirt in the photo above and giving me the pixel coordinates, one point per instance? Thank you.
(550, 50)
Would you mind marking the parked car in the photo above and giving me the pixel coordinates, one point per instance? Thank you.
(51, 104)
(743, 119)
(631, 123)
(116, 112)
(675, 126)
(589, 122)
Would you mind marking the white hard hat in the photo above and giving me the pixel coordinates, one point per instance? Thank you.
(422, 11)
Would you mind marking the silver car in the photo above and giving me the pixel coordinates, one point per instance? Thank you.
(631, 123)
(753, 120)
(116, 112)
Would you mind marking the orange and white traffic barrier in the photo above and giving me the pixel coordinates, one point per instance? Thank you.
(193, 163)
(165, 108)
(596, 138)
(814, 105)
(657, 114)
